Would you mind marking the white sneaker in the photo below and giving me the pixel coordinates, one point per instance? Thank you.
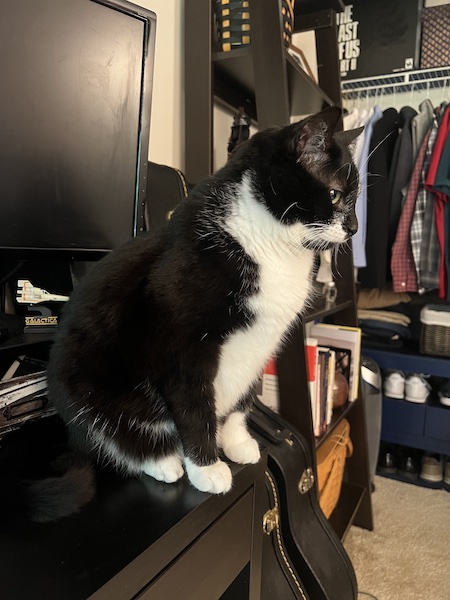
(394, 385)
(416, 389)
(447, 470)
(432, 468)
(444, 393)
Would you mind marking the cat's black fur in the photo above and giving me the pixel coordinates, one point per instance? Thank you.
(139, 356)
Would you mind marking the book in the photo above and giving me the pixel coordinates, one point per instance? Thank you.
(322, 390)
(347, 338)
(267, 386)
(311, 350)
(330, 389)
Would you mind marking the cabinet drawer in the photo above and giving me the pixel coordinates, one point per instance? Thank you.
(400, 415)
(206, 569)
(437, 423)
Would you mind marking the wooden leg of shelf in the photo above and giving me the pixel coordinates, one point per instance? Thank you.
(199, 90)
(358, 465)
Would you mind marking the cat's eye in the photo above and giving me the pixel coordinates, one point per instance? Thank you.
(336, 196)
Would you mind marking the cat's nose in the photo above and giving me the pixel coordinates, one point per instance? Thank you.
(351, 226)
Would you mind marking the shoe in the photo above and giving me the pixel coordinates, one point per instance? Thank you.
(387, 459)
(408, 463)
(447, 470)
(416, 389)
(432, 468)
(394, 385)
(444, 393)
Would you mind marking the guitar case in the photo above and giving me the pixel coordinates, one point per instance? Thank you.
(303, 558)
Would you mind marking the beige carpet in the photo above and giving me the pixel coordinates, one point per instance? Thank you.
(407, 556)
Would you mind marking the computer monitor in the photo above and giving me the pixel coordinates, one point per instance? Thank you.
(76, 84)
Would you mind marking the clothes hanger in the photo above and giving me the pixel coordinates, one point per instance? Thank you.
(444, 91)
(412, 92)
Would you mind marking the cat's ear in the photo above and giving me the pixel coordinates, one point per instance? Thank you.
(346, 138)
(315, 134)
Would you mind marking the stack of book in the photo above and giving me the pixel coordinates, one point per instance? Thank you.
(331, 349)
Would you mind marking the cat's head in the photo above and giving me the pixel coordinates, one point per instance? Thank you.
(306, 177)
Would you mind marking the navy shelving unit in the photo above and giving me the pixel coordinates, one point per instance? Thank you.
(422, 426)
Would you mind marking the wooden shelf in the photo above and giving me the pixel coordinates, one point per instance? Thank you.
(273, 88)
(321, 310)
(303, 7)
(347, 507)
(410, 362)
(338, 415)
(234, 79)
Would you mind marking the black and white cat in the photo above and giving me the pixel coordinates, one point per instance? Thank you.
(160, 344)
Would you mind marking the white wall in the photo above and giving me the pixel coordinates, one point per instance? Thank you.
(167, 118)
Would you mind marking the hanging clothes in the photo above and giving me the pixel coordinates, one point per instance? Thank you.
(360, 157)
(401, 169)
(381, 149)
(442, 185)
(424, 244)
(403, 268)
(420, 126)
(440, 197)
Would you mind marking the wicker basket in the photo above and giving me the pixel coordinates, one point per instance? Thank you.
(233, 22)
(435, 329)
(331, 457)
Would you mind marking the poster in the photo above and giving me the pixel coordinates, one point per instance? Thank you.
(377, 38)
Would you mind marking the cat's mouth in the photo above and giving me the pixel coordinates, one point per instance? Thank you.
(325, 236)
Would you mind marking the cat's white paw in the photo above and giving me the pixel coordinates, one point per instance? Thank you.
(167, 469)
(235, 440)
(244, 453)
(215, 478)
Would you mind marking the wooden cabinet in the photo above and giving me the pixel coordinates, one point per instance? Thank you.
(140, 538)
(264, 79)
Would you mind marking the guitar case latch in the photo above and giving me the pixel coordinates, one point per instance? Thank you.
(306, 481)
(270, 520)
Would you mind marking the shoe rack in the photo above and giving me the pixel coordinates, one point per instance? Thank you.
(424, 426)
(264, 79)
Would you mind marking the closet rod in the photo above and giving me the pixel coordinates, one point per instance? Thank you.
(397, 82)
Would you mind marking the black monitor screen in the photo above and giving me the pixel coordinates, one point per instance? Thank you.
(76, 80)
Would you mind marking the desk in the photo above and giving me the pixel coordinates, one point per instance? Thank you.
(141, 539)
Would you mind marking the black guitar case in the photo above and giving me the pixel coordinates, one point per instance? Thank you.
(302, 556)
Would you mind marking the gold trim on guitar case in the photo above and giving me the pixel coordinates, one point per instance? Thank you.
(271, 521)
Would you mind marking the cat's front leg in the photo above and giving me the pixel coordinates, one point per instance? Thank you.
(195, 421)
(235, 440)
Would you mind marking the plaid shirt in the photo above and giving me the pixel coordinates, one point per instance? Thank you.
(439, 197)
(425, 248)
(403, 268)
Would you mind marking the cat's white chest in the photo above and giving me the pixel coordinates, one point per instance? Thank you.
(284, 285)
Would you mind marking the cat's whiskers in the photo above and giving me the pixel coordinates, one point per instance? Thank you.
(271, 185)
(287, 210)
(79, 413)
(369, 156)
(114, 433)
(335, 255)
(347, 164)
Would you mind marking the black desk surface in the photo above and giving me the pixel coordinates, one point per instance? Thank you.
(72, 558)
